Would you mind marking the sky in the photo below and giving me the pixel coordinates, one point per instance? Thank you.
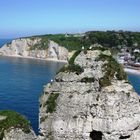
(33, 17)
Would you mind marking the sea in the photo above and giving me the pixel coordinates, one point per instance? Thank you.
(135, 81)
(21, 84)
(22, 81)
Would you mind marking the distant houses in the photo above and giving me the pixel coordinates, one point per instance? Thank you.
(136, 51)
(75, 35)
(129, 58)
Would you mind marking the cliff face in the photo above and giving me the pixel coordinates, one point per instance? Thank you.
(80, 105)
(31, 48)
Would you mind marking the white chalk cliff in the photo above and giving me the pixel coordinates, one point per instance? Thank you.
(29, 48)
(76, 107)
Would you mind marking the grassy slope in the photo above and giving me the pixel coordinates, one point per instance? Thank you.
(13, 120)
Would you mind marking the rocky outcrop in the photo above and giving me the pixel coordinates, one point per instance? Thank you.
(13, 126)
(32, 48)
(18, 134)
(76, 106)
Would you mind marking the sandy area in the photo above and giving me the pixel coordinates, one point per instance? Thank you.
(132, 71)
(48, 59)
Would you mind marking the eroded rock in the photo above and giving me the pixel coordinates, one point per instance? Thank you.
(85, 110)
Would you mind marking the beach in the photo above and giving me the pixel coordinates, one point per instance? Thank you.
(28, 57)
(130, 70)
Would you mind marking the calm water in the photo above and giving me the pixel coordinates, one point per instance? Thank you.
(3, 41)
(21, 84)
(135, 80)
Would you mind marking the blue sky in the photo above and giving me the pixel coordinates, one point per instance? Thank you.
(30, 17)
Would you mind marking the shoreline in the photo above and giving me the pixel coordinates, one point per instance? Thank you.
(131, 70)
(34, 58)
(126, 69)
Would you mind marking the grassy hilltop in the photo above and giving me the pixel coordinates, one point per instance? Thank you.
(109, 39)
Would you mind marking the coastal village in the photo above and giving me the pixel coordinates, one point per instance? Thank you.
(129, 58)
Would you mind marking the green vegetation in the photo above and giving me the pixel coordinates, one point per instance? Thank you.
(111, 68)
(113, 40)
(71, 42)
(42, 119)
(13, 120)
(75, 117)
(88, 80)
(128, 82)
(97, 98)
(72, 59)
(42, 45)
(70, 96)
(128, 94)
(51, 102)
(72, 68)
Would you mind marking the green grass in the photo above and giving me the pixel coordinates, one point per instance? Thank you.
(71, 43)
(72, 68)
(88, 80)
(51, 102)
(128, 94)
(72, 59)
(111, 68)
(42, 119)
(13, 120)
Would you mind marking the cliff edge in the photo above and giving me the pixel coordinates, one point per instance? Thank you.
(35, 48)
(90, 99)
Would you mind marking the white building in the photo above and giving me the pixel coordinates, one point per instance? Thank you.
(136, 51)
